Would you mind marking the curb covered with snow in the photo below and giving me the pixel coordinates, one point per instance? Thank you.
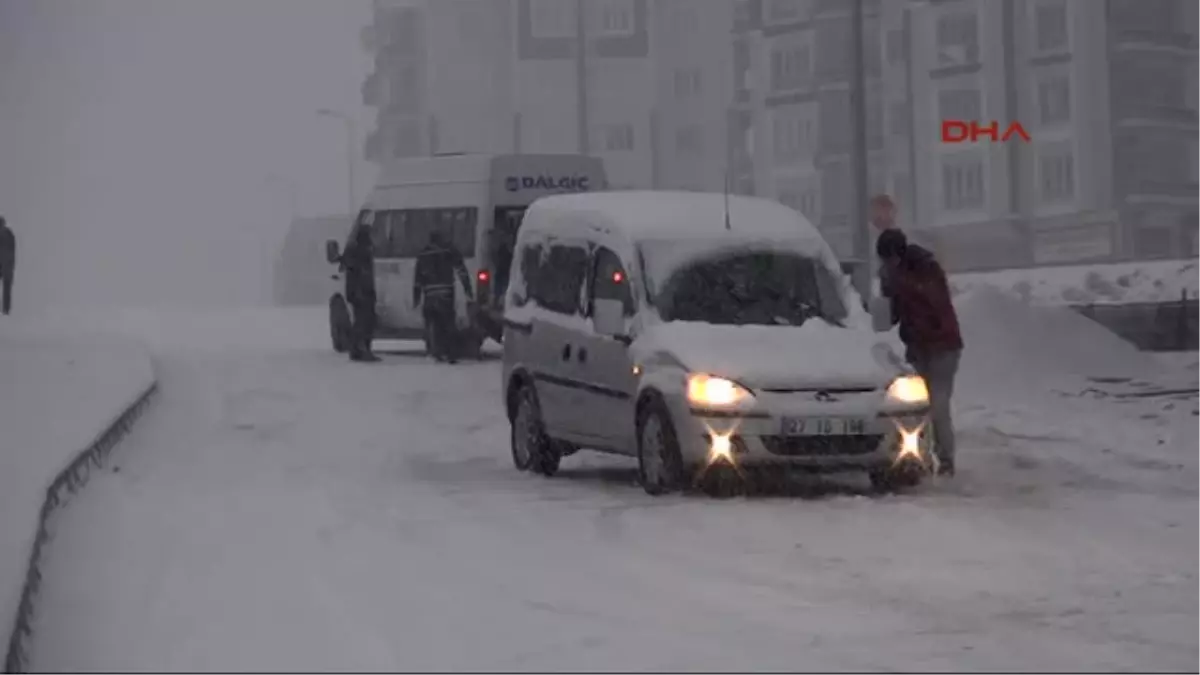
(48, 456)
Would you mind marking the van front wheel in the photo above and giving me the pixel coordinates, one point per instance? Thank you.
(339, 324)
(532, 449)
(660, 465)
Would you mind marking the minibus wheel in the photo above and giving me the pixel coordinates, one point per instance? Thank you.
(339, 324)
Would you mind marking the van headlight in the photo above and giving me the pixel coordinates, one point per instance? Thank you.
(908, 389)
(716, 391)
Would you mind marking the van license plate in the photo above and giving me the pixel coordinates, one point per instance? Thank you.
(823, 426)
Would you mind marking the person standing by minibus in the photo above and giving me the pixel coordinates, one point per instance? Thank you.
(358, 262)
(438, 266)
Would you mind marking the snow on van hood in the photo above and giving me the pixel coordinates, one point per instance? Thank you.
(815, 355)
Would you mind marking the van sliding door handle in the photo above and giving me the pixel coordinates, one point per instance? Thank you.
(566, 353)
(582, 355)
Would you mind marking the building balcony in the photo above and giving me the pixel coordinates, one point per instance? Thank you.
(1148, 189)
(1124, 40)
(1127, 111)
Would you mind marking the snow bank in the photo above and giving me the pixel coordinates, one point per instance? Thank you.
(248, 328)
(1008, 340)
(1160, 281)
(58, 395)
(1027, 369)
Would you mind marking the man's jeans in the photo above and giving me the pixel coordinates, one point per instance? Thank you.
(939, 370)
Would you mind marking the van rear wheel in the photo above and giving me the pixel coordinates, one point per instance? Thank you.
(339, 324)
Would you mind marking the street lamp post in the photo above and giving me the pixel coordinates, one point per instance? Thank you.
(351, 139)
(858, 96)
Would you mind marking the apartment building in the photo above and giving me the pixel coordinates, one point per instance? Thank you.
(441, 81)
(648, 94)
(1107, 93)
(791, 122)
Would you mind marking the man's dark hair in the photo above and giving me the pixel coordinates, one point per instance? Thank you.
(3, 222)
(891, 244)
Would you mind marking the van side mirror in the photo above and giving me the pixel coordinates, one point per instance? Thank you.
(881, 314)
(608, 318)
(332, 255)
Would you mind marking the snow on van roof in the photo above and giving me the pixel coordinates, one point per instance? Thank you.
(665, 215)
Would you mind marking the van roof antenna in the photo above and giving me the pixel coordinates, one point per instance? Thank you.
(728, 223)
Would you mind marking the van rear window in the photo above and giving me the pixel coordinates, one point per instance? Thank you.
(403, 233)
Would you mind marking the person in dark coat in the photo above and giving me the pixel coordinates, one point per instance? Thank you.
(439, 265)
(358, 263)
(921, 304)
(8, 263)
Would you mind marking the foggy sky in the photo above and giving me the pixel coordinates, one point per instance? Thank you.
(146, 146)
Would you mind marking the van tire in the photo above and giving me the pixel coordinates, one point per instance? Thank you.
(655, 421)
(532, 449)
(339, 324)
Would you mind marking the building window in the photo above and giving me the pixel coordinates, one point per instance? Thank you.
(1056, 173)
(794, 133)
(683, 19)
(1051, 30)
(800, 194)
(785, 11)
(791, 67)
(898, 122)
(617, 137)
(615, 17)
(963, 186)
(902, 189)
(687, 83)
(957, 38)
(404, 89)
(551, 18)
(963, 104)
(407, 141)
(1054, 100)
(897, 46)
(689, 141)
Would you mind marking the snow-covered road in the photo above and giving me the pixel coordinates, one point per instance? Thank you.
(280, 508)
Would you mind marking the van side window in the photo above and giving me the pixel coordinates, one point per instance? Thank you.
(558, 283)
(408, 230)
(531, 264)
(610, 282)
(381, 234)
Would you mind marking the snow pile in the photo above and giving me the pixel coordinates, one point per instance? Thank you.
(200, 330)
(1008, 340)
(1026, 371)
(58, 396)
(1161, 281)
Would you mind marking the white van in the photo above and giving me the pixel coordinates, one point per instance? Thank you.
(687, 329)
(478, 201)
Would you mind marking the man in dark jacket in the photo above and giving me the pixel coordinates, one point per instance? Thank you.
(438, 265)
(921, 304)
(358, 263)
(8, 262)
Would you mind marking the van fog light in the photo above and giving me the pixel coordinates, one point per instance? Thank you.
(720, 448)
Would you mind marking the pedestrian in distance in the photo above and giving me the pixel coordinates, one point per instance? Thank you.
(358, 263)
(438, 267)
(8, 263)
(920, 302)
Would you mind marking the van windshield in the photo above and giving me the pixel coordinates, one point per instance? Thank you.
(767, 288)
